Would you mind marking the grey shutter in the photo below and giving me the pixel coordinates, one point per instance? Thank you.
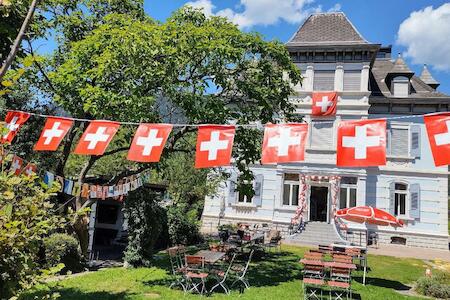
(322, 135)
(415, 140)
(414, 198)
(323, 80)
(258, 188)
(352, 80)
(232, 188)
(392, 198)
(399, 141)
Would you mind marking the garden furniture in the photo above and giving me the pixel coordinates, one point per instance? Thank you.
(340, 279)
(221, 277)
(177, 268)
(241, 272)
(194, 273)
(274, 240)
(210, 257)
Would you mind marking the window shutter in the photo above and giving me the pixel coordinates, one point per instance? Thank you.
(414, 198)
(415, 140)
(352, 80)
(232, 188)
(392, 198)
(258, 188)
(323, 80)
(401, 89)
(399, 141)
(322, 135)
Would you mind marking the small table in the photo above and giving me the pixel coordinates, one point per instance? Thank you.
(211, 257)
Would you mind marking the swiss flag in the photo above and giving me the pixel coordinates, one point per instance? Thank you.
(438, 130)
(324, 104)
(55, 129)
(96, 137)
(16, 165)
(148, 142)
(13, 121)
(361, 143)
(214, 145)
(30, 169)
(284, 143)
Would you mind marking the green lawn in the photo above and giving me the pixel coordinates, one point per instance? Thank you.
(275, 277)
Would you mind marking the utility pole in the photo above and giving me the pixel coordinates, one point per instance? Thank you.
(15, 47)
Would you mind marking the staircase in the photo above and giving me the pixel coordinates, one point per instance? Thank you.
(315, 233)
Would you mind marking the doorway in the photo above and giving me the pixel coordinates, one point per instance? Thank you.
(318, 203)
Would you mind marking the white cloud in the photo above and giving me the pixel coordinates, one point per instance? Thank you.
(426, 36)
(263, 12)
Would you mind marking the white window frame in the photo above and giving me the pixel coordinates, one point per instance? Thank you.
(291, 189)
(246, 200)
(407, 204)
(348, 187)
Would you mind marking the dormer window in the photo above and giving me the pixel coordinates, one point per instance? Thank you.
(400, 86)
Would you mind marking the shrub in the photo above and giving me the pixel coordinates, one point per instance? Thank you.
(27, 216)
(434, 286)
(183, 225)
(63, 248)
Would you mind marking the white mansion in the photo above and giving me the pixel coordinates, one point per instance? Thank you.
(333, 56)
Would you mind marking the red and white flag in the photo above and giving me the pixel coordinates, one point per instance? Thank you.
(214, 145)
(438, 130)
(30, 169)
(96, 137)
(13, 121)
(284, 143)
(361, 143)
(324, 104)
(55, 129)
(148, 142)
(16, 165)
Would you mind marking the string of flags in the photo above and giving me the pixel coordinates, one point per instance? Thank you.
(90, 191)
(360, 143)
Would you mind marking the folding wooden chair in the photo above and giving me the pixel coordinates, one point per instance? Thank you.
(241, 272)
(312, 287)
(221, 277)
(340, 283)
(195, 277)
(177, 268)
(342, 258)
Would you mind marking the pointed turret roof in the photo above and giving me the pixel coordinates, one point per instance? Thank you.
(428, 78)
(327, 29)
(400, 68)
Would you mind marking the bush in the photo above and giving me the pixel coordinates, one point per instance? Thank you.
(147, 227)
(434, 286)
(183, 225)
(63, 248)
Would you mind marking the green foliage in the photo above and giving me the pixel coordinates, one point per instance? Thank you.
(26, 217)
(146, 226)
(435, 286)
(63, 248)
(183, 225)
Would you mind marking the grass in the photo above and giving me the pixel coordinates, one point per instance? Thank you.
(277, 276)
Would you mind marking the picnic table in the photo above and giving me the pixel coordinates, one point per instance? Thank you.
(211, 257)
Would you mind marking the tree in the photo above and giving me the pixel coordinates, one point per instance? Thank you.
(199, 69)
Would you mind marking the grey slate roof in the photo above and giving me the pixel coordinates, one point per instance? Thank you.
(327, 29)
(379, 87)
(400, 67)
(428, 78)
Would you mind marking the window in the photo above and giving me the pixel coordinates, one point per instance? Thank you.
(291, 186)
(400, 86)
(244, 199)
(401, 191)
(403, 140)
(321, 136)
(323, 80)
(352, 80)
(347, 195)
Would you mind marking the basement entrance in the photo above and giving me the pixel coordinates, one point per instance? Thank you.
(318, 204)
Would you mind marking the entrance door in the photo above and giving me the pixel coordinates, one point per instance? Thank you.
(318, 201)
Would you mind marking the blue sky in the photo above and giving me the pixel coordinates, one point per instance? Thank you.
(424, 36)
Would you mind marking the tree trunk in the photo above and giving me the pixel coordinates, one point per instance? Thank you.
(80, 227)
(15, 47)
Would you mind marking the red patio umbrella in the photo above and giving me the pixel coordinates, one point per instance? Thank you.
(369, 215)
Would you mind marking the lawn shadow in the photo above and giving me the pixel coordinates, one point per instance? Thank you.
(75, 294)
(385, 283)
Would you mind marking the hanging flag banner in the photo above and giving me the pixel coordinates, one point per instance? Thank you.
(148, 142)
(30, 169)
(284, 143)
(49, 177)
(214, 145)
(96, 137)
(361, 143)
(55, 129)
(438, 130)
(16, 165)
(13, 122)
(324, 104)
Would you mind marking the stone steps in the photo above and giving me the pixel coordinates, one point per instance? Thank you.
(315, 233)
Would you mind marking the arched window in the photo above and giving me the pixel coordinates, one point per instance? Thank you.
(400, 86)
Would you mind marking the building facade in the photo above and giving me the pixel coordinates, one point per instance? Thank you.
(333, 56)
